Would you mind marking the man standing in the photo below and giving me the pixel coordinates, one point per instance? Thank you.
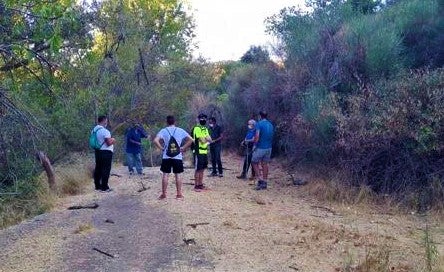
(216, 133)
(103, 155)
(248, 143)
(134, 148)
(169, 140)
(201, 138)
(262, 152)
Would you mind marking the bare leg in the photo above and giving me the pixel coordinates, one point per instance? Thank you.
(178, 185)
(265, 170)
(164, 184)
(200, 175)
(256, 170)
(196, 178)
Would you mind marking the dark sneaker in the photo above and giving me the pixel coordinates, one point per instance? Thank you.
(261, 185)
(107, 190)
(241, 177)
(221, 175)
(299, 182)
(213, 175)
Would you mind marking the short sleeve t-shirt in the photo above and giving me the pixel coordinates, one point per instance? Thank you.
(178, 133)
(266, 132)
(102, 134)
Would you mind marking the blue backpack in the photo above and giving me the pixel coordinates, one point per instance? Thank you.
(93, 141)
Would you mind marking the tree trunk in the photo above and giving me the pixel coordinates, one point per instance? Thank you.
(44, 160)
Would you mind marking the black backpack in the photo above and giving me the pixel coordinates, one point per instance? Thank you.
(173, 148)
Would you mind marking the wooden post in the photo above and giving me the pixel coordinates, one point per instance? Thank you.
(44, 160)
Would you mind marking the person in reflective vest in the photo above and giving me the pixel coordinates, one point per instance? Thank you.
(202, 138)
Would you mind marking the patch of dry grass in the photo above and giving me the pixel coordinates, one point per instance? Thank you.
(84, 228)
(34, 196)
(71, 181)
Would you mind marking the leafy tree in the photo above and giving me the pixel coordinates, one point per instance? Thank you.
(36, 39)
(255, 55)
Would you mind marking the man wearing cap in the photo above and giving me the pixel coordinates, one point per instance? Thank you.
(201, 138)
(262, 151)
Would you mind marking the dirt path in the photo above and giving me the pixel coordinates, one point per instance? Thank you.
(229, 228)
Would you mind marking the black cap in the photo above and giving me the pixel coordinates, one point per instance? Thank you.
(202, 116)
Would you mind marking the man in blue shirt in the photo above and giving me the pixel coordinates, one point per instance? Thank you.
(262, 152)
(134, 148)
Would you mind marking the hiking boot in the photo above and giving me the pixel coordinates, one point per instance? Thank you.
(261, 185)
(298, 182)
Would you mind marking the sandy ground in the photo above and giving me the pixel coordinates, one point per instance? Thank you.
(228, 228)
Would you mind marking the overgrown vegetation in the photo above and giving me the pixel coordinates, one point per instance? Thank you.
(357, 92)
(359, 87)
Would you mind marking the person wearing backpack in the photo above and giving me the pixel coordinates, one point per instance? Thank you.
(134, 148)
(201, 138)
(169, 140)
(103, 152)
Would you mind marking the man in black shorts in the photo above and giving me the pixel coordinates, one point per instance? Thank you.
(171, 161)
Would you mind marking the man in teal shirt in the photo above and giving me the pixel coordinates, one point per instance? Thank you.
(262, 153)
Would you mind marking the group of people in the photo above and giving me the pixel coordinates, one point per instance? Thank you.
(174, 141)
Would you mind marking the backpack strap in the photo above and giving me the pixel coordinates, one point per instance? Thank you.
(95, 131)
(170, 132)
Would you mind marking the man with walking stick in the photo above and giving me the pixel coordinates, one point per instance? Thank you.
(248, 142)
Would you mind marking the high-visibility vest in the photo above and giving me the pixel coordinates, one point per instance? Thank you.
(201, 132)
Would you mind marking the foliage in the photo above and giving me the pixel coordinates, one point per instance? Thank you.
(345, 96)
(256, 55)
(33, 199)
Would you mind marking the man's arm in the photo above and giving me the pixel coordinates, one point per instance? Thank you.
(157, 143)
(143, 133)
(256, 136)
(221, 135)
(108, 139)
(188, 141)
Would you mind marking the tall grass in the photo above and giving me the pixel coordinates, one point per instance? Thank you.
(34, 196)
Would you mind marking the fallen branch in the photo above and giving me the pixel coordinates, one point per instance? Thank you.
(194, 225)
(103, 252)
(88, 206)
(190, 241)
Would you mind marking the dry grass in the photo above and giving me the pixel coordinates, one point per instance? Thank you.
(34, 196)
(285, 228)
(70, 181)
(32, 199)
(84, 228)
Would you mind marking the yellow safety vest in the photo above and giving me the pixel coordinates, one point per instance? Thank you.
(201, 132)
